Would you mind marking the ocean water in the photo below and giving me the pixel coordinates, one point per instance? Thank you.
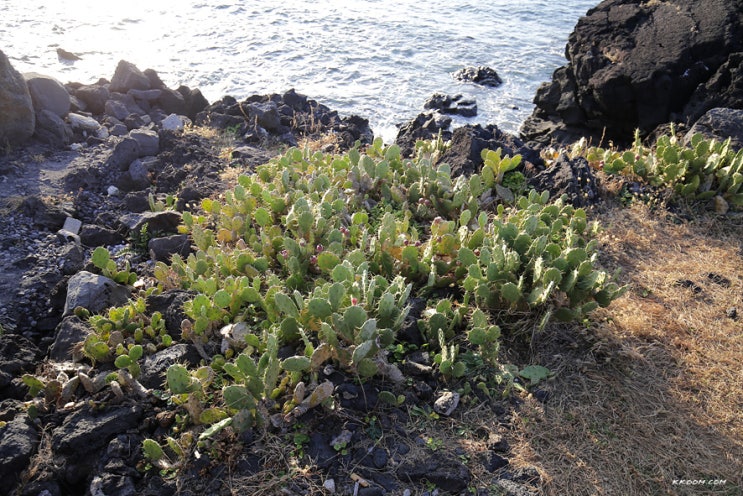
(380, 59)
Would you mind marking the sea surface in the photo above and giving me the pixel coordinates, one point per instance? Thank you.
(380, 59)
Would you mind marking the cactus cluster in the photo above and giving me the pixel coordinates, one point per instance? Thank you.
(321, 254)
(701, 170)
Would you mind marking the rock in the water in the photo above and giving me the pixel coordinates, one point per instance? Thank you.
(93, 292)
(70, 333)
(48, 94)
(720, 124)
(454, 105)
(18, 118)
(65, 55)
(128, 77)
(636, 65)
(18, 441)
(481, 75)
(573, 178)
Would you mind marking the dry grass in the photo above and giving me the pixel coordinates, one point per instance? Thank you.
(654, 391)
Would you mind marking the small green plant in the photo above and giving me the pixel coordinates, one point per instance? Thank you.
(101, 258)
(300, 440)
(140, 239)
(341, 447)
(158, 205)
(434, 444)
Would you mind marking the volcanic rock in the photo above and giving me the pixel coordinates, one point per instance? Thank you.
(636, 65)
(48, 94)
(93, 292)
(484, 76)
(128, 77)
(16, 107)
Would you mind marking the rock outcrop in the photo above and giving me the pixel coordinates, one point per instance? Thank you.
(283, 117)
(425, 126)
(641, 64)
(18, 119)
(484, 76)
(467, 143)
(453, 105)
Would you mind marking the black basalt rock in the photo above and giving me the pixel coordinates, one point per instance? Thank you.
(638, 65)
(571, 177)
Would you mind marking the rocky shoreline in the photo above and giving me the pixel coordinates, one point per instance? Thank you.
(94, 165)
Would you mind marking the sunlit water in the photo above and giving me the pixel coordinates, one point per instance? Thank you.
(380, 59)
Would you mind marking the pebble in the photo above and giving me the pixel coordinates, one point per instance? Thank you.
(446, 403)
(329, 486)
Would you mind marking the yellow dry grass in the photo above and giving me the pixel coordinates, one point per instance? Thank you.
(652, 393)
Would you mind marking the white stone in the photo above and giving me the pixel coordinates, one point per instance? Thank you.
(83, 122)
(173, 122)
(112, 191)
(446, 403)
(72, 225)
(329, 486)
(102, 133)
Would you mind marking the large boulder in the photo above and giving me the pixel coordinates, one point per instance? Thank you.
(464, 155)
(48, 94)
(16, 108)
(636, 65)
(18, 442)
(51, 129)
(128, 77)
(426, 126)
(94, 97)
(94, 292)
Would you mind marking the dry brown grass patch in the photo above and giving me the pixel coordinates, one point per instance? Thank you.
(653, 392)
